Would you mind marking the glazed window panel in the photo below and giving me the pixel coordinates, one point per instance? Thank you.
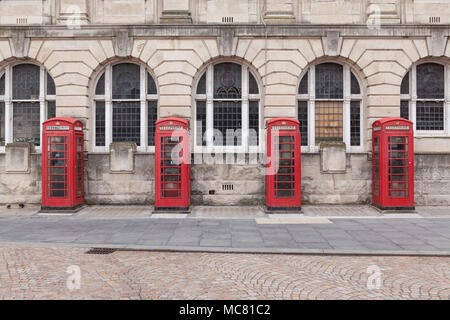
(100, 123)
(51, 109)
(126, 126)
(404, 109)
(2, 123)
(227, 81)
(253, 125)
(151, 85)
(152, 116)
(303, 119)
(2, 85)
(329, 121)
(26, 122)
(430, 81)
(201, 86)
(201, 123)
(354, 84)
(355, 123)
(228, 121)
(329, 81)
(126, 81)
(26, 82)
(303, 87)
(100, 88)
(252, 84)
(404, 88)
(51, 89)
(429, 115)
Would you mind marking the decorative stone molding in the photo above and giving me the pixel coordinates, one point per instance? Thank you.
(227, 41)
(333, 158)
(332, 42)
(175, 12)
(18, 157)
(72, 13)
(437, 42)
(382, 12)
(19, 44)
(123, 44)
(279, 12)
(121, 159)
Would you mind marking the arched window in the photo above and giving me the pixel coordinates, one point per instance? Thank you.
(330, 107)
(227, 108)
(27, 98)
(126, 107)
(423, 101)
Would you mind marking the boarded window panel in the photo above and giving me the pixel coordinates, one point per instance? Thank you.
(126, 126)
(126, 81)
(252, 84)
(2, 123)
(227, 81)
(51, 109)
(355, 123)
(404, 88)
(26, 79)
(303, 87)
(2, 85)
(100, 123)
(354, 85)
(430, 81)
(201, 123)
(329, 81)
(26, 122)
(404, 109)
(329, 117)
(303, 119)
(228, 121)
(151, 85)
(201, 86)
(253, 117)
(51, 89)
(429, 115)
(100, 88)
(152, 116)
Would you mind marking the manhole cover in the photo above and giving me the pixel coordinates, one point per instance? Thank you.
(101, 251)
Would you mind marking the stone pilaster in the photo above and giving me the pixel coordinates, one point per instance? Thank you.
(175, 12)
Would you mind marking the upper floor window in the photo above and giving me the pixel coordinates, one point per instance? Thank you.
(125, 107)
(27, 99)
(227, 109)
(423, 92)
(330, 107)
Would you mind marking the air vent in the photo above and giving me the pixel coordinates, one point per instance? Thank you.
(434, 19)
(227, 19)
(21, 21)
(227, 187)
(101, 251)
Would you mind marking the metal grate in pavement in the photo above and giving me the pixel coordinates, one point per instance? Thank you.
(101, 251)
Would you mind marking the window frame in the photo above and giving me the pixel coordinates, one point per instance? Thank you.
(8, 101)
(412, 99)
(346, 100)
(209, 99)
(144, 100)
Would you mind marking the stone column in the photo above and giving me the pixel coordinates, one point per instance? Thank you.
(383, 12)
(175, 12)
(72, 13)
(279, 11)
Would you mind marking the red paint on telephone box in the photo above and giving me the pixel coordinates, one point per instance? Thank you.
(283, 168)
(62, 164)
(393, 164)
(172, 165)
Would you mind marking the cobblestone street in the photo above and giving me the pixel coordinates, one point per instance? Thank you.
(41, 273)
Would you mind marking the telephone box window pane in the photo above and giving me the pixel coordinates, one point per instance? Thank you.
(328, 121)
(404, 88)
(329, 81)
(201, 123)
(355, 123)
(126, 122)
(284, 180)
(100, 89)
(303, 119)
(201, 86)
(2, 123)
(398, 167)
(227, 81)
(151, 85)
(100, 123)
(26, 122)
(429, 115)
(51, 109)
(152, 116)
(253, 125)
(51, 89)
(170, 167)
(376, 166)
(228, 121)
(430, 81)
(252, 84)
(126, 81)
(26, 82)
(404, 109)
(79, 166)
(57, 167)
(354, 85)
(303, 87)
(2, 85)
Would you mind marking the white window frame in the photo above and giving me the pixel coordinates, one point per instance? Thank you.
(412, 99)
(310, 98)
(8, 101)
(144, 99)
(245, 99)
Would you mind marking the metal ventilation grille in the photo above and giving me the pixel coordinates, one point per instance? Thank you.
(101, 251)
(434, 19)
(21, 20)
(227, 187)
(227, 19)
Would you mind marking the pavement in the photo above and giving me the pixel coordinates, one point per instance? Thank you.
(359, 230)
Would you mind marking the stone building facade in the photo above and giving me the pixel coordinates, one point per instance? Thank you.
(336, 65)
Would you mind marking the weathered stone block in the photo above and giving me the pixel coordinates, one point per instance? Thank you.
(332, 157)
(122, 157)
(18, 157)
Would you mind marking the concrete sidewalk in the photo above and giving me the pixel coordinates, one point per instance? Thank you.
(381, 234)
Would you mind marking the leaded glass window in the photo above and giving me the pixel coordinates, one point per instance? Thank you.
(303, 119)
(329, 81)
(404, 88)
(26, 82)
(123, 93)
(227, 81)
(2, 85)
(430, 81)
(2, 123)
(404, 109)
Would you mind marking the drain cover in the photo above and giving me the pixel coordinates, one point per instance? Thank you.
(101, 251)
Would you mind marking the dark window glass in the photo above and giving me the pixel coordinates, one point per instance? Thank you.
(252, 84)
(100, 123)
(2, 85)
(404, 109)
(201, 86)
(355, 123)
(429, 115)
(430, 81)
(26, 82)
(152, 116)
(329, 121)
(201, 123)
(51, 109)
(126, 81)
(126, 126)
(100, 89)
(303, 87)
(404, 88)
(354, 85)
(151, 85)
(253, 118)
(227, 120)
(2, 123)
(303, 119)
(227, 81)
(329, 81)
(51, 89)
(26, 122)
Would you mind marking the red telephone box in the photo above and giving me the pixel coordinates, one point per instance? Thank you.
(172, 165)
(62, 164)
(283, 168)
(393, 164)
